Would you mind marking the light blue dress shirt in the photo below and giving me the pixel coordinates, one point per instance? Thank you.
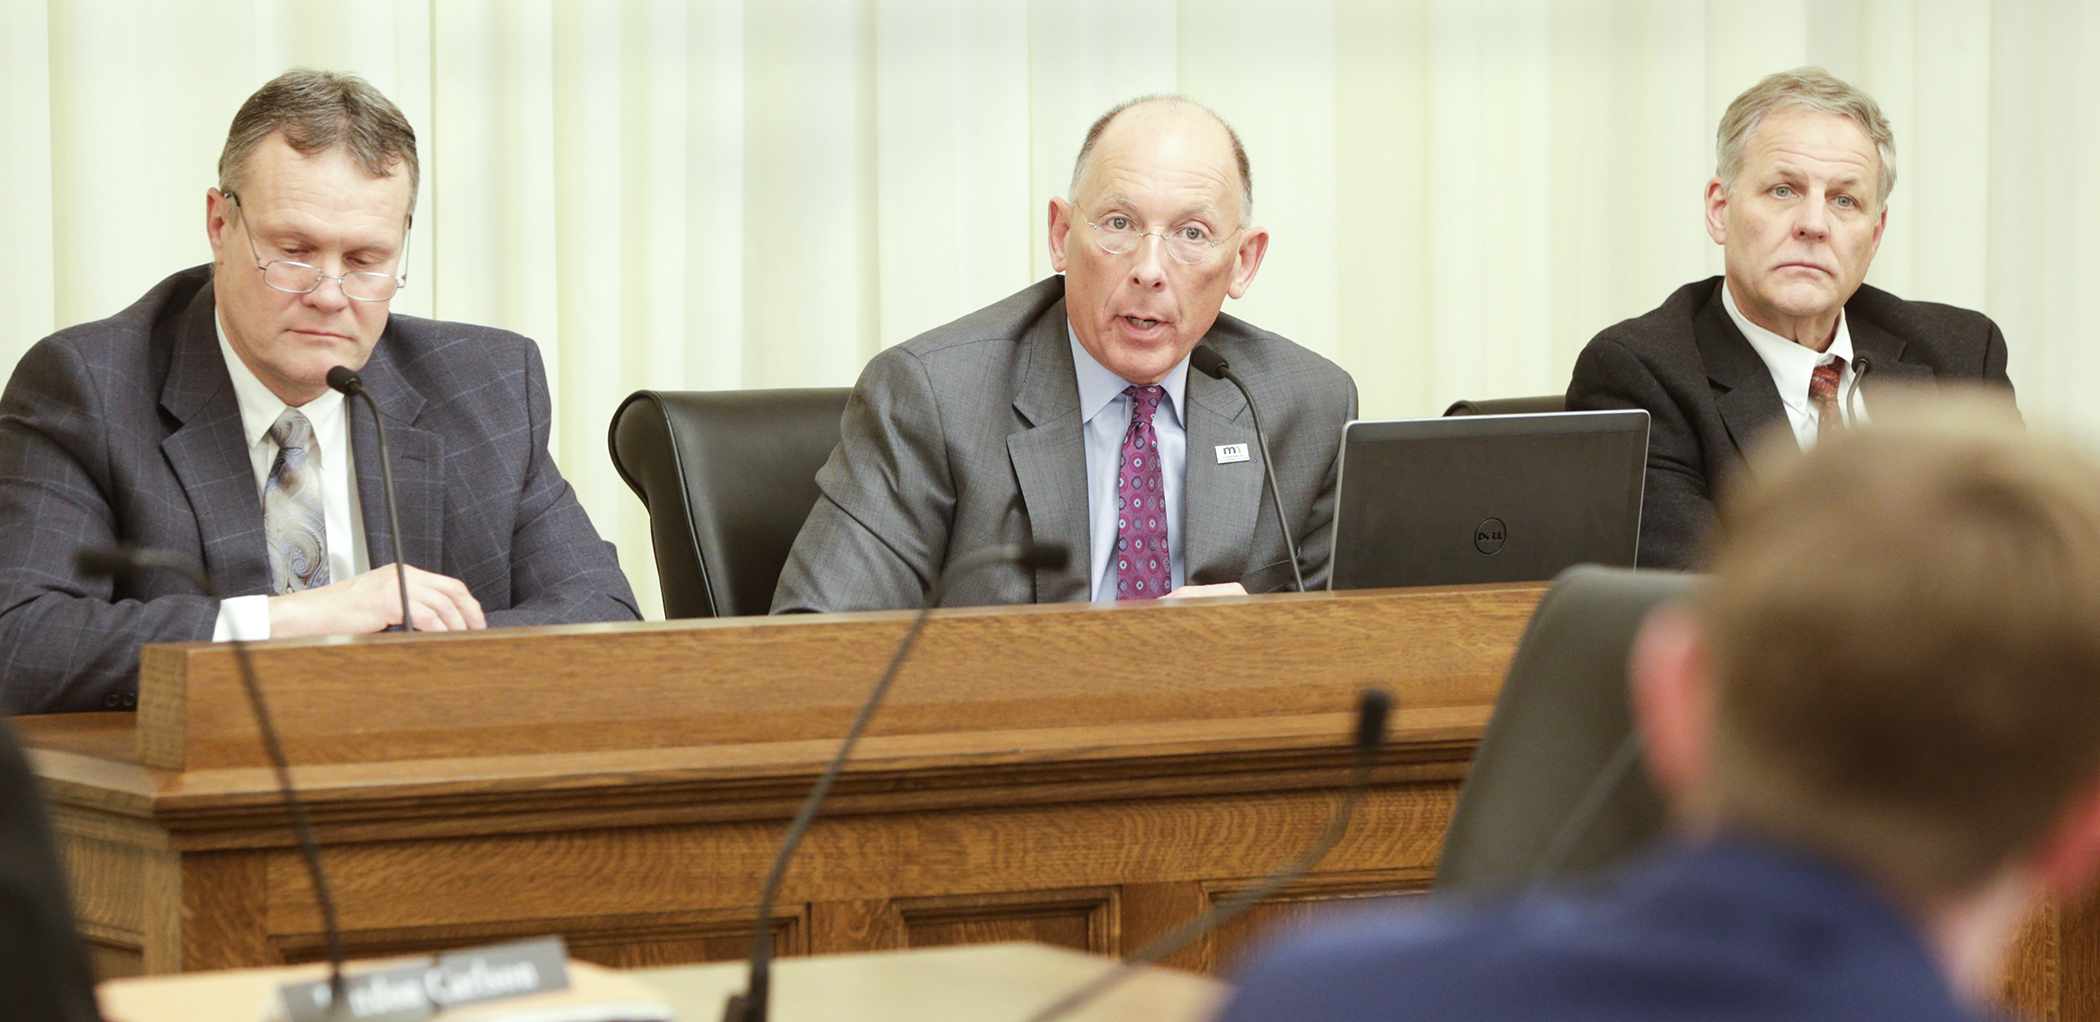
(1104, 412)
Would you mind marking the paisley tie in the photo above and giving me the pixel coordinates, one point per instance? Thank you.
(292, 521)
(1823, 394)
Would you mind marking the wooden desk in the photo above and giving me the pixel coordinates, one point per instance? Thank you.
(626, 786)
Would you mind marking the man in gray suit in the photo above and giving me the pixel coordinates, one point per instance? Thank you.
(200, 420)
(1067, 413)
(1785, 339)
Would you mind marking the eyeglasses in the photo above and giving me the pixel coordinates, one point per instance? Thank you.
(296, 278)
(1118, 234)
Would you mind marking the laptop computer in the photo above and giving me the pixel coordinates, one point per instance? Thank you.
(1487, 498)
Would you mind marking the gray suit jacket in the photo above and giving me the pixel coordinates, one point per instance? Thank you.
(1711, 397)
(968, 437)
(126, 430)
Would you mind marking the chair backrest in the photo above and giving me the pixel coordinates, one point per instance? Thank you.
(1559, 745)
(44, 971)
(728, 478)
(1509, 405)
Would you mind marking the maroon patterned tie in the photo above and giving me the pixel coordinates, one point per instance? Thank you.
(1143, 571)
(1823, 393)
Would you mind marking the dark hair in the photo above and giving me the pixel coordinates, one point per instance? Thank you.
(318, 111)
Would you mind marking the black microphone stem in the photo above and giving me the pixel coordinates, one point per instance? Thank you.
(349, 384)
(1372, 708)
(752, 1004)
(1215, 366)
(1862, 364)
(111, 561)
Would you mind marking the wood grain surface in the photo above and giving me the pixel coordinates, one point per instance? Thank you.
(626, 786)
(737, 681)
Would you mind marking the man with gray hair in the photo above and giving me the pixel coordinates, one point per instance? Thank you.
(201, 420)
(1067, 414)
(1785, 339)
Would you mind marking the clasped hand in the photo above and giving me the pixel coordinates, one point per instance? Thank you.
(371, 602)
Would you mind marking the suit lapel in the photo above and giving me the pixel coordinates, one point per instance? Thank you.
(1886, 353)
(208, 453)
(419, 459)
(1049, 457)
(1218, 502)
(1743, 390)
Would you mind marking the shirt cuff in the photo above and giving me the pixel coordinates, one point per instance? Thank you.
(242, 617)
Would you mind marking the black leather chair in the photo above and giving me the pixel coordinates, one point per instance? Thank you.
(1559, 747)
(1509, 405)
(728, 478)
(44, 971)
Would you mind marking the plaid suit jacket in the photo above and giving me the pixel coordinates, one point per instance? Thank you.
(126, 430)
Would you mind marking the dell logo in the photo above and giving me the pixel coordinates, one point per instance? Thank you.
(1488, 536)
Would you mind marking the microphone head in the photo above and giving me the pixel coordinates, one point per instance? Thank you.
(345, 379)
(1371, 710)
(104, 561)
(1045, 556)
(1206, 360)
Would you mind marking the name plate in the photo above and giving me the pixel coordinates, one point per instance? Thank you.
(422, 988)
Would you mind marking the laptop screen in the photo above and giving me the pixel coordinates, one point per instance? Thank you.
(1487, 498)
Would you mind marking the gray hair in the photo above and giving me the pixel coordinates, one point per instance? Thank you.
(1239, 151)
(1811, 88)
(318, 111)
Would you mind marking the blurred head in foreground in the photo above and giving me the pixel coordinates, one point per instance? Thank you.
(1877, 728)
(1896, 662)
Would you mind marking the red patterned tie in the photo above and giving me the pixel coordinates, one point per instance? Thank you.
(1143, 571)
(1823, 393)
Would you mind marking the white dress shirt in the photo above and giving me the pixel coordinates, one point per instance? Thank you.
(1104, 412)
(248, 617)
(1791, 366)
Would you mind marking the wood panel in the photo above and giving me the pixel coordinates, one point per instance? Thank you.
(1303, 903)
(742, 680)
(1011, 788)
(1081, 919)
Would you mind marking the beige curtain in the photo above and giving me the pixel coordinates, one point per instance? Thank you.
(762, 193)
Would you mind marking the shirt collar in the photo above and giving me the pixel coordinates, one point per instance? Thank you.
(1790, 364)
(259, 407)
(1098, 386)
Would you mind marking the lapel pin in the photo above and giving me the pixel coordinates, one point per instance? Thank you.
(1231, 454)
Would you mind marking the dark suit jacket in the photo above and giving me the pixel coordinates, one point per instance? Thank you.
(1734, 931)
(1711, 397)
(968, 437)
(126, 430)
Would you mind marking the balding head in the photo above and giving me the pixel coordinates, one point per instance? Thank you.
(1154, 236)
(1174, 107)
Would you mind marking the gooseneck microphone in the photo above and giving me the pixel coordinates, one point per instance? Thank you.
(342, 378)
(750, 1006)
(1862, 364)
(1207, 361)
(1372, 708)
(111, 561)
